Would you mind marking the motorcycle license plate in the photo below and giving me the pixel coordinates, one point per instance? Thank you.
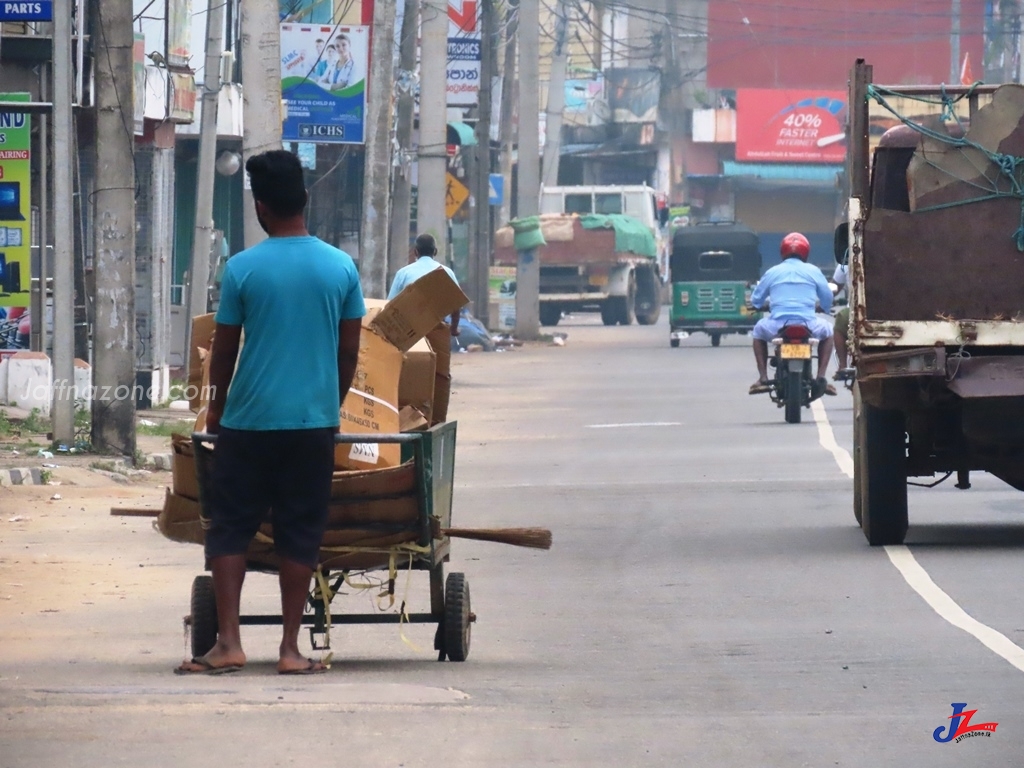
(795, 352)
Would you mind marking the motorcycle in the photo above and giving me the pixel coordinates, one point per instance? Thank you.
(794, 386)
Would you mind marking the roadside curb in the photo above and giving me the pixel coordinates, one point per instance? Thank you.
(23, 476)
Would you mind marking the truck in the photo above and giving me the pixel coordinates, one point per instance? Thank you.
(934, 244)
(604, 251)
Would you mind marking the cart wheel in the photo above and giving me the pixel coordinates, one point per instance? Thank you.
(457, 623)
(204, 616)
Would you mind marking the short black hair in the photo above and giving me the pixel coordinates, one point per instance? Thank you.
(426, 245)
(277, 182)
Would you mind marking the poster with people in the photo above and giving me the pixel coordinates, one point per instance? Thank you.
(323, 83)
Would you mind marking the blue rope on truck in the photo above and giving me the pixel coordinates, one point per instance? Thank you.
(1009, 166)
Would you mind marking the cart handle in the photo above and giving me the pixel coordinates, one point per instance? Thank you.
(400, 439)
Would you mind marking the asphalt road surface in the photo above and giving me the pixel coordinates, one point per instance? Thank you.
(709, 600)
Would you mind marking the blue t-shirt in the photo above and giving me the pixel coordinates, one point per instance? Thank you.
(408, 275)
(794, 287)
(289, 294)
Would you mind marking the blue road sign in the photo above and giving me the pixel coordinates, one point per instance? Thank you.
(37, 10)
(496, 195)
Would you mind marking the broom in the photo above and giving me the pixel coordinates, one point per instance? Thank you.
(534, 538)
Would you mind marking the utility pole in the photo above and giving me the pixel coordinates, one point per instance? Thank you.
(433, 155)
(62, 413)
(954, 45)
(508, 89)
(202, 242)
(480, 257)
(528, 268)
(401, 181)
(260, 48)
(556, 98)
(113, 407)
(373, 234)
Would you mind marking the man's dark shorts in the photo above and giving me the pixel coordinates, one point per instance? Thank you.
(283, 474)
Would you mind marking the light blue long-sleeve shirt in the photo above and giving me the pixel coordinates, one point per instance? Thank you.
(794, 288)
(406, 276)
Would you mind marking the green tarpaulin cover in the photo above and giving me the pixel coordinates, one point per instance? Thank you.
(631, 236)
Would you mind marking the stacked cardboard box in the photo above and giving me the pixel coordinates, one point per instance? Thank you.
(402, 382)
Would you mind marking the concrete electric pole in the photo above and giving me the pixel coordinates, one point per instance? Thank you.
(401, 183)
(480, 257)
(508, 93)
(373, 246)
(113, 407)
(62, 412)
(433, 155)
(556, 98)
(528, 268)
(260, 46)
(202, 243)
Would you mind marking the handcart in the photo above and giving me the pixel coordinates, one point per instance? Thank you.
(381, 520)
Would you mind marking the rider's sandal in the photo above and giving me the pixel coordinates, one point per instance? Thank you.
(760, 387)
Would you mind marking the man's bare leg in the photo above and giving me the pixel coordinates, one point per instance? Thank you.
(294, 579)
(228, 576)
(825, 347)
(841, 352)
(761, 357)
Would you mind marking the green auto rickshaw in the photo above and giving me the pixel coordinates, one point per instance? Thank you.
(714, 268)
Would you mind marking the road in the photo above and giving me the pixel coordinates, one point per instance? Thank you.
(708, 600)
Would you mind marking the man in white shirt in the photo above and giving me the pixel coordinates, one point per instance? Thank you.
(422, 262)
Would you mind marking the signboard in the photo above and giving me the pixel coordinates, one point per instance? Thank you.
(15, 205)
(179, 33)
(496, 189)
(323, 83)
(40, 10)
(786, 126)
(634, 94)
(455, 195)
(464, 71)
(306, 11)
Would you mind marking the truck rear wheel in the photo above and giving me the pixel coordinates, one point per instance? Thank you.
(625, 306)
(609, 312)
(882, 464)
(857, 469)
(550, 314)
(648, 297)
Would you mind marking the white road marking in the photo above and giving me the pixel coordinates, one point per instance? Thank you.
(915, 575)
(636, 424)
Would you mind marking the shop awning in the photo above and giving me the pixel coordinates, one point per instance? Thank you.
(461, 134)
(811, 172)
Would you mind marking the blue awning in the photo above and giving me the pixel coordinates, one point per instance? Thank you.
(812, 172)
(461, 134)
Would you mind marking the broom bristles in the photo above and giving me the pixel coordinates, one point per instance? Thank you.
(534, 538)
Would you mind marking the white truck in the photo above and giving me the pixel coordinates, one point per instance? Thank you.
(593, 259)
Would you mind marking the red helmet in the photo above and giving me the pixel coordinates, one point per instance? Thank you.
(795, 244)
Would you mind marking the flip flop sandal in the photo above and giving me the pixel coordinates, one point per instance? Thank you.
(205, 668)
(313, 668)
(760, 388)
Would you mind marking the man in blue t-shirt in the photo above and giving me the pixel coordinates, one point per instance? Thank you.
(301, 306)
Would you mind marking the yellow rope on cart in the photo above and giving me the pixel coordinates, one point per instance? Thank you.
(408, 549)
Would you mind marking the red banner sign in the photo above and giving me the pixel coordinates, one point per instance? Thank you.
(783, 126)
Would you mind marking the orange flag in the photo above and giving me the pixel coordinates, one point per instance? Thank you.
(966, 76)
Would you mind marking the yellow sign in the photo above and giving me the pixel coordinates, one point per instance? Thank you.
(455, 194)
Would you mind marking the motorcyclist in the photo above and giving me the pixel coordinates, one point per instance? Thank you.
(793, 290)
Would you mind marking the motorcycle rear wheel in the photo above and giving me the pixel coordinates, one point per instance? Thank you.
(794, 396)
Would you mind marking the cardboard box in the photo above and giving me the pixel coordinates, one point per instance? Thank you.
(198, 369)
(389, 331)
(179, 520)
(440, 341)
(416, 386)
(183, 468)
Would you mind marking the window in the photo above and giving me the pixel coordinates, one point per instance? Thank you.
(608, 203)
(578, 203)
(715, 261)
